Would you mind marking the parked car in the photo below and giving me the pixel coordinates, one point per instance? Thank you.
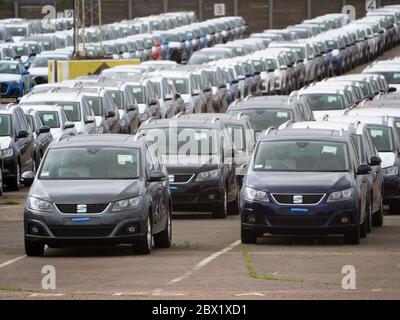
(15, 81)
(17, 143)
(127, 201)
(304, 181)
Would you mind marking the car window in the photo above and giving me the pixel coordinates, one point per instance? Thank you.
(325, 102)
(22, 119)
(149, 161)
(50, 118)
(9, 68)
(95, 104)
(262, 119)
(303, 156)
(5, 125)
(17, 124)
(382, 137)
(91, 163)
(237, 135)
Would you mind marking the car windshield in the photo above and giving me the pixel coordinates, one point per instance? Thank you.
(185, 141)
(200, 58)
(21, 50)
(181, 85)
(50, 118)
(382, 137)
(301, 156)
(322, 101)
(262, 119)
(9, 68)
(95, 105)
(139, 93)
(72, 109)
(40, 62)
(91, 163)
(17, 31)
(5, 125)
(117, 98)
(2, 35)
(392, 77)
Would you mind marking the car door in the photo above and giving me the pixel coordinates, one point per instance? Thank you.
(230, 163)
(24, 144)
(153, 189)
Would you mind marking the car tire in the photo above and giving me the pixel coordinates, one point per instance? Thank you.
(15, 183)
(352, 236)
(143, 245)
(164, 238)
(377, 217)
(34, 249)
(247, 236)
(221, 210)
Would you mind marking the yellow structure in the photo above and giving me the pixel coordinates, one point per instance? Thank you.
(71, 69)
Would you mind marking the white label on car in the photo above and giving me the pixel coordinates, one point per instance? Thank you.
(200, 136)
(282, 114)
(376, 133)
(124, 158)
(48, 117)
(68, 108)
(329, 149)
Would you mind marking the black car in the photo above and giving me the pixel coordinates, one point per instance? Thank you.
(41, 135)
(16, 143)
(99, 189)
(305, 181)
(199, 156)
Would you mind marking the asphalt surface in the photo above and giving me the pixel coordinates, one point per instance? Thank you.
(206, 261)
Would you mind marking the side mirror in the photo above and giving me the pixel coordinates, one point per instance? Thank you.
(27, 178)
(270, 70)
(153, 102)
(168, 97)
(234, 81)
(90, 119)
(207, 89)
(363, 169)
(110, 114)
(44, 129)
(69, 125)
(131, 107)
(177, 95)
(375, 161)
(156, 176)
(22, 134)
(283, 67)
(392, 89)
(241, 78)
(196, 92)
(300, 61)
(222, 86)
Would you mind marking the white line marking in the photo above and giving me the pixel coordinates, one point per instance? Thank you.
(45, 295)
(204, 262)
(250, 294)
(7, 263)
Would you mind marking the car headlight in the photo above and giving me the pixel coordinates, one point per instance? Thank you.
(38, 204)
(341, 195)
(7, 152)
(391, 171)
(208, 175)
(127, 204)
(255, 195)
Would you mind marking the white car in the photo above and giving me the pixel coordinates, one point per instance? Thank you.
(391, 72)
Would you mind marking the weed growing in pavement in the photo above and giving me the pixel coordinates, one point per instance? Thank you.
(254, 274)
(187, 244)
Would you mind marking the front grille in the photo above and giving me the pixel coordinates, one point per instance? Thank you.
(297, 222)
(82, 231)
(182, 178)
(289, 198)
(90, 208)
(3, 87)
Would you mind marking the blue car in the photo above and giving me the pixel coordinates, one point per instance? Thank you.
(305, 181)
(15, 81)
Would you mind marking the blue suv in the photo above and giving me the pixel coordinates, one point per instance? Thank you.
(305, 181)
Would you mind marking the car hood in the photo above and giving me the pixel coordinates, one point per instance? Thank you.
(38, 71)
(5, 142)
(319, 115)
(299, 182)
(84, 191)
(9, 77)
(190, 164)
(388, 159)
(56, 133)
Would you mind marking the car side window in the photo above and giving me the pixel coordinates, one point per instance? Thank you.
(149, 161)
(22, 119)
(155, 157)
(17, 124)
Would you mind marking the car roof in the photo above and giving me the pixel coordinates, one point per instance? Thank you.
(53, 96)
(106, 140)
(305, 134)
(381, 110)
(269, 102)
(208, 123)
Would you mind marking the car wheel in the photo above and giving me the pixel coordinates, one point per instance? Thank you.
(15, 183)
(164, 238)
(247, 236)
(352, 236)
(144, 243)
(34, 249)
(377, 217)
(222, 208)
(233, 208)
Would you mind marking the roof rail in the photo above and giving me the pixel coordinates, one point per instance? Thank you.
(64, 136)
(286, 124)
(239, 115)
(234, 103)
(179, 114)
(149, 120)
(248, 97)
(269, 130)
(10, 105)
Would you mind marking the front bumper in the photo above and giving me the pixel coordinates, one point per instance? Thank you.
(9, 169)
(104, 228)
(322, 218)
(196, 195)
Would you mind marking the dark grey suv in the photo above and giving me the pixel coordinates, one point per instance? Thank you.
(99, 189)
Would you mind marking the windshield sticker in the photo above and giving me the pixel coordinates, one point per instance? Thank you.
(281, 114)
(328, 149)
(123, 159)
(376, 133)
